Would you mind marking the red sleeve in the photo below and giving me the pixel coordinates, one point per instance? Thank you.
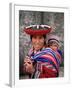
(47, 73)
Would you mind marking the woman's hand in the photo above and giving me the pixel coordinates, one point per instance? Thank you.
(28, 66)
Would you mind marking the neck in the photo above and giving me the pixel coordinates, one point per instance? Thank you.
(35, 51)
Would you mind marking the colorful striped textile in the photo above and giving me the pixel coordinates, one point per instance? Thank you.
(49, 56)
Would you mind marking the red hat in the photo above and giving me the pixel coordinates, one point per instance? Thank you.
(37, 29)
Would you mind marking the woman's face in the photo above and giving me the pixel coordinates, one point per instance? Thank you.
(37, 42)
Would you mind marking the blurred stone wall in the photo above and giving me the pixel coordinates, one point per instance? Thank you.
(54, 19)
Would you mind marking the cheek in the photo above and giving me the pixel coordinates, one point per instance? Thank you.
(42, 42)
(33, 41)
(55, 48)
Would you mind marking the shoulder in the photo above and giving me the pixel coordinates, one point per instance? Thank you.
(30, 51)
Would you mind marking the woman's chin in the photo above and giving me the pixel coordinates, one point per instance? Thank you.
(37, 49)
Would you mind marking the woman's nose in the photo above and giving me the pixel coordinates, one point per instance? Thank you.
(37, 40)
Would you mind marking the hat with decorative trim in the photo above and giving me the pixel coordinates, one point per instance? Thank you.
(37, 29)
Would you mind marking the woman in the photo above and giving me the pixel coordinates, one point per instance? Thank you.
(44, 61)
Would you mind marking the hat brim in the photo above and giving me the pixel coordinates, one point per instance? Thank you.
(37, 32)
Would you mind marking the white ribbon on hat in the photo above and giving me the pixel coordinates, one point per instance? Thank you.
(38, 26)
